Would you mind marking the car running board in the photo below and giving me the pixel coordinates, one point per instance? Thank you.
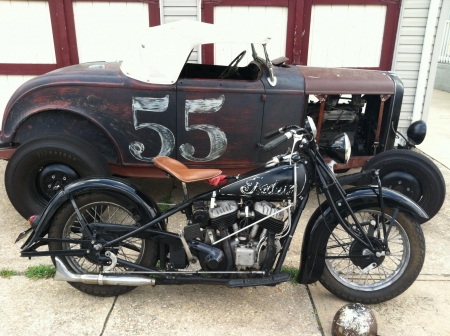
(271, 280)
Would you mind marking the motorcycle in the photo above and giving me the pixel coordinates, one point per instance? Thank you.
(106, 236)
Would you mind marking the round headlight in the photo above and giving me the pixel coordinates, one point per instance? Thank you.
(339, 148)
(311, 126)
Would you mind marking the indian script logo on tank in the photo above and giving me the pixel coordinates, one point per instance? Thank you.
(255, 187)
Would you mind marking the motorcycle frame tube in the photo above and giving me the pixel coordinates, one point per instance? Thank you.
(312, 260)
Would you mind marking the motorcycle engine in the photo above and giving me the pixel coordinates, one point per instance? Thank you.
(249, 245)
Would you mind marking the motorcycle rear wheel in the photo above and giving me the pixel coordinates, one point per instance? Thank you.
(102, 208)
(393, 274)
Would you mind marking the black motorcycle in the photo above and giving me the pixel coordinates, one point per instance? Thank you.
(106, 235)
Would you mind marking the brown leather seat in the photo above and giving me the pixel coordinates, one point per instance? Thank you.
(183, 173)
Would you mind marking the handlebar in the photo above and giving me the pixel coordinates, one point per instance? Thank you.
(279, 131)
(277, 141)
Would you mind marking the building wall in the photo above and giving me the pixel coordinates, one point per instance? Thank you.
(408, 55)
(175, 10)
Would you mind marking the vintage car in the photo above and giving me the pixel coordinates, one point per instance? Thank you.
(107, 118)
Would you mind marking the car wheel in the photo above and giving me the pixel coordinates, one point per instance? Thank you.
(412, 174)
(39, 168)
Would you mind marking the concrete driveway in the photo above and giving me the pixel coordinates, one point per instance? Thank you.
(47, 307)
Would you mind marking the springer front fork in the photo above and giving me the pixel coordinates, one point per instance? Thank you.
(336, 197)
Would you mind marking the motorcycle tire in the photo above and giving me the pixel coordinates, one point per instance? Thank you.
(412, 174)
(377, 279)
(103, 208)
(40, 167)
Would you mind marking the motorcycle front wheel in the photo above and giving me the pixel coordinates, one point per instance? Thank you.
(350, 276)
(100, 208)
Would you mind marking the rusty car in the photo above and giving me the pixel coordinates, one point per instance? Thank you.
(104, 118)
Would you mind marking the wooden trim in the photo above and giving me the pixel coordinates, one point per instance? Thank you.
(71, 32)
(59, 29)
(304, 44)
(26, 69)
(153, 14)
(389, 36)
(297, 30)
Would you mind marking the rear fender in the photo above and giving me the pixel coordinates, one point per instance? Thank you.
(129, 191)
(317, 232)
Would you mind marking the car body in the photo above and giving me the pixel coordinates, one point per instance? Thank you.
(155, 103)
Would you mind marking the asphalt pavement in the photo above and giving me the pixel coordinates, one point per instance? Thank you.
(47, 307)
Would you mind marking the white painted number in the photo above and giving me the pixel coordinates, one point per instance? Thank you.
(167, 137)
(217, 138)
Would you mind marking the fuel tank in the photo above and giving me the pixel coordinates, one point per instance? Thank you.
(269, 183)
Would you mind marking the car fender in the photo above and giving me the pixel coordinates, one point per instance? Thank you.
(126, 189)
(316, 233)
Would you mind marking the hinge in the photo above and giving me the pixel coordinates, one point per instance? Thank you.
(263, 97)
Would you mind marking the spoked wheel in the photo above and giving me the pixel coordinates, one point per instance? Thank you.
(100, 208)
(352, 277)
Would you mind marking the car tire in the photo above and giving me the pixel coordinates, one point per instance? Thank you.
(39, 168)
(403, 169)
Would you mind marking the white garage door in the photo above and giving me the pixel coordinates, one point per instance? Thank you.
(105, 29)
(271, 19)
(346, 35)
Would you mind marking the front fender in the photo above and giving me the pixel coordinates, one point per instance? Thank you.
(131, 192)
(316, 233)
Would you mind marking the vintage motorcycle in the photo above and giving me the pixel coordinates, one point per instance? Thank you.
(106, 236)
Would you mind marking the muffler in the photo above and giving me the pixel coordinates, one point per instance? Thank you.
(63, 274)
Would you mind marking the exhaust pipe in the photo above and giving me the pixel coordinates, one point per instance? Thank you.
(63, 274)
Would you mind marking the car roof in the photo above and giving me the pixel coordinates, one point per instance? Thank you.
(159, 53)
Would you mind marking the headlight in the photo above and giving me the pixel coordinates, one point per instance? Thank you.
(311, 126)
(339, 148)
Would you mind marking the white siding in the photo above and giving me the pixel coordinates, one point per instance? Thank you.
(175, 10)
(409, 52)
(270, 19)
(346, 35)
(9, 84)
(26, 32)
(104, 28)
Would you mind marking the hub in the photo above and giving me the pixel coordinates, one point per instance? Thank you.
(358, 249)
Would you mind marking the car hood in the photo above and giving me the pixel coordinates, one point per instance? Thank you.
(346, 81)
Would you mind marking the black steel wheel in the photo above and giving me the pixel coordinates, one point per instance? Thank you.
(39, 168)
(412, 174)
(353, 273)
(101, 208)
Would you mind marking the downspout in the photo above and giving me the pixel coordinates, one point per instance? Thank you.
(425, 59)
(161, 11)
(199, 18)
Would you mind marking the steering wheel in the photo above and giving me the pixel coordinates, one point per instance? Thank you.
(232, 67)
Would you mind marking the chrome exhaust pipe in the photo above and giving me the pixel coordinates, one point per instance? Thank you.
(63, 274)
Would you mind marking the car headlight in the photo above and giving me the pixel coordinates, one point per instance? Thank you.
(311, 126)
(339, 148)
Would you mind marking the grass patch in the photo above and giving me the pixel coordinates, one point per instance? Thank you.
(7, 273)
(165, 200)
(292, 271)
(40, 272)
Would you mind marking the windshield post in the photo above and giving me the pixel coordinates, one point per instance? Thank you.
(272, 79)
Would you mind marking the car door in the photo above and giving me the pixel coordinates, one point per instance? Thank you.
(219, 121)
